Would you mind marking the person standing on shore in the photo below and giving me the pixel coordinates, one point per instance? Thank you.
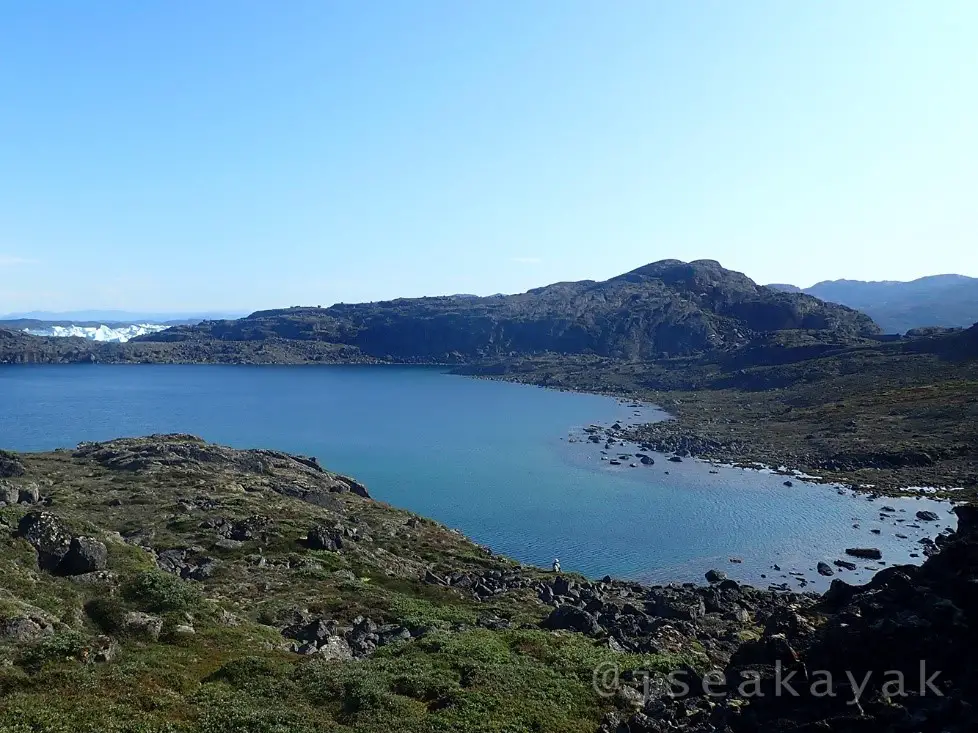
(556, 565)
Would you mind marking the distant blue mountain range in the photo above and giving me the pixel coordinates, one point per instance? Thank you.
(119, 316)
(937, 300)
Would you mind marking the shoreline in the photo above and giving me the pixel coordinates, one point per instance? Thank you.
(782, 570)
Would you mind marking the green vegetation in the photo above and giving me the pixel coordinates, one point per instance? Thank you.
(220, 662)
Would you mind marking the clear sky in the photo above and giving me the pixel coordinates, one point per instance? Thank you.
(237, 154)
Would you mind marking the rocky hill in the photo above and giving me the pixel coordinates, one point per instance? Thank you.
(937, 300)
(666, 308)
(168, 585)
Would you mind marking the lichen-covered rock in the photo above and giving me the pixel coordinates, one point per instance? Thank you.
(142, 625)
(48, 534)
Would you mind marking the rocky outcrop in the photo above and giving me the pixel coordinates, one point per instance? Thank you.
(328, 639)
(885, 657)
(189, 563)
(296, 476)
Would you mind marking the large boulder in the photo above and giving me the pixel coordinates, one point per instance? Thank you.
(675, 603)
(48, 534)
(572, 619)
(85, 555)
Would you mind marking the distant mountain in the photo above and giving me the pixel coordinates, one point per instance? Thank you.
(938, 300)
(666, 308)
(118, 316)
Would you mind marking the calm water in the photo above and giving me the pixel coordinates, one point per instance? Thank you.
(498, 461)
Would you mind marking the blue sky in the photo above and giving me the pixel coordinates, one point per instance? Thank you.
(181, 155)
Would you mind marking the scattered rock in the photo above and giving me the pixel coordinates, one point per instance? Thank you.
(715, 576)
(865, 553)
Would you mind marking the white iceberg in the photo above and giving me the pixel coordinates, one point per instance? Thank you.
(118, 334)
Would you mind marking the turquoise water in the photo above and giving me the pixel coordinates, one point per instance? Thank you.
(498, 461)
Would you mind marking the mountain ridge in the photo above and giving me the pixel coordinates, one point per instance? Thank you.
(662, 309)
(947, 300)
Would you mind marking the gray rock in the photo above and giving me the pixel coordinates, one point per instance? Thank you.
(865, 553)
(142, 625)
(85, 555)
(927, 516)
(715, 576)
(825, 569)
(573, 619)
(322, 537)
(29, 494)
(20, 629)
(8, 493)
(675, 603)
(335, 648)
(48, 534)
(103, 649)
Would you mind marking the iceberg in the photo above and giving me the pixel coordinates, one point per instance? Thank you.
(117, 334)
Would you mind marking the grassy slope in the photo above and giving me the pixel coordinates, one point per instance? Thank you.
(236, 675)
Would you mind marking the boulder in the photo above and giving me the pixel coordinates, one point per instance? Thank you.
(824, 569)
(675, 603)
(10, 465)
(572, 619)
(865, 553)
(927, 516)
(142, 625)
(8, 493)
(715, 576)
(85, 555)
(48, 534)
(19, 629)
(29, 494)
(322, 537)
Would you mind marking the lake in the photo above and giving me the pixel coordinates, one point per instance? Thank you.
(501, 462)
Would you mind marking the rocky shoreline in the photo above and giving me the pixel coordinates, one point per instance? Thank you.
(914, 526)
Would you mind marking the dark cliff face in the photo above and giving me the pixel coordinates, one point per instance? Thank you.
(666, 308)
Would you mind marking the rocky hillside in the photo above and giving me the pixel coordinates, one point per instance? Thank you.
(665, 308)
(166, 584)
